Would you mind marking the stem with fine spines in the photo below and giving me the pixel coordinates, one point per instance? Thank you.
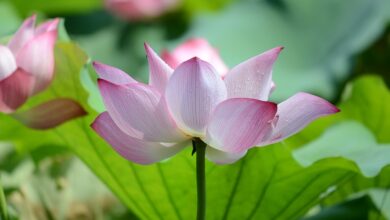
(200, 148)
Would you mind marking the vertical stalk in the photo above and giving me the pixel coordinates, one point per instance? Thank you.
(200, 148)
(3, 205)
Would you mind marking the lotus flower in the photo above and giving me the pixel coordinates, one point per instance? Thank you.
(195, 47)
(135, 10)
(26, 63)
(27, 68)
(149, 123)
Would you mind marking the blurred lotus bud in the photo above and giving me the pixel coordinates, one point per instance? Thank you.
(136, 10)
(195, 47)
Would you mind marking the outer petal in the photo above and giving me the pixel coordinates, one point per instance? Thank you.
(50, 114)
(221, 157)
(37, 58)
(240, 123)
(23, 35)
(159, 70)
(14, 90)
(253, 78)
(196, 47)
(132, 149)
(192, 92)
(112, 74)
(140, 111)
(7, 62)
(50, 25)
(296, 112)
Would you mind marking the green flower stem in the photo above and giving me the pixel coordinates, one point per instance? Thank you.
(3, 205)
(200, 148)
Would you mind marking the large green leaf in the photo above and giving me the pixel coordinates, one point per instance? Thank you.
(349, 140)
(319, 36)
(366, 100)
(381, 199)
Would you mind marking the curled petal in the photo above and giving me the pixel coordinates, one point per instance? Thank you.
(196, 47)
(240, 123)
(159, 71)
(140, 111)
(50, 114)
(138, 151)
(14, 90)
(37, 58)
(253, 78)
(50, 25)
(23, 35)
(221, 157)
(7, 62)
(193, 91)
(296, 112)
(112, 74)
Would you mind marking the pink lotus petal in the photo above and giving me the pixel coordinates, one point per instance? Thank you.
(37, 58)
(133, 149)
(252, 78)
(240, 123)
(140, 10)
(23, 35)
(221, 157)
(50, 114)
(47, 26)
(195, 47)
(296, 112)
(159, 71)
(7, 62)
(112, 74)
(14, 90)
(140, 111)
(193, 91)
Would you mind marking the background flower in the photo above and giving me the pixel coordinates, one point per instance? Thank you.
(26, 63)
(134, 10)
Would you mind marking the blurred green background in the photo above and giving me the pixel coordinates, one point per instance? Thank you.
(337, 168)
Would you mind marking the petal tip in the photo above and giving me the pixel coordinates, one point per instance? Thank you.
(329, 108)
(55, 23)
(146, 46)
(279, 49)
(31, 20)
(97, 65)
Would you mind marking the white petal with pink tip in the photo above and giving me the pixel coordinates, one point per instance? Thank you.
(193, 91)
(23, 35)
(296, 112)
(138, 151)
(240, 123)
(37, 58)
(253, 78)
(112, 74)
(159, 71)
(140, 111)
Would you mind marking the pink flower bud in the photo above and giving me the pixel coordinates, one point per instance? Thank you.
(135, 10)
(26, 63)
